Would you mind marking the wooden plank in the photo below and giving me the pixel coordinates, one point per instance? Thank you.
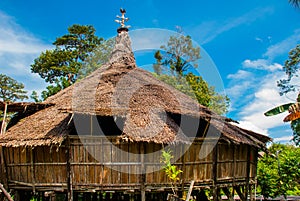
(41, 170)
(248, 171)
(4, 165)
(7, 195)
(190, 191)
(142, 175)
(69, 171)
(215, 173)
(32, 168)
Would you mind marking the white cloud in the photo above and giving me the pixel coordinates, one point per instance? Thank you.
(150, 38)
(250, 126)
(262, 91)
(264, 98)
(283, 139)
(284, 46)
(241, 74)
(15, 40)
(261, 64)
(259, 39)
(237, 90)
(18, 49)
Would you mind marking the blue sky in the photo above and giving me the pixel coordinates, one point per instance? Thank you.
(247, 41)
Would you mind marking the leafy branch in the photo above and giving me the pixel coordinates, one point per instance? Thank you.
(171, 171)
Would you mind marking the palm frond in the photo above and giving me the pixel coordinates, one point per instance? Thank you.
(278, 109)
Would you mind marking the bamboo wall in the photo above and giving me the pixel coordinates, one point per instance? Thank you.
(97, 163)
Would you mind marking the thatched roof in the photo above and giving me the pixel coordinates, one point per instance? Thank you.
(24, 106)
(121, 89)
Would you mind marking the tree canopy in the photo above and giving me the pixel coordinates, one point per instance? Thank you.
(60, 66)
(198, 89)
(179, 58)
(180, 55)
(278, 172)
(11, 90)
(291, 69)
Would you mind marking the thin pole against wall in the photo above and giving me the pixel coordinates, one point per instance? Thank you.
(247, 190)
(69, 171)
(7, 195)
(32, 170)
(215, 173)
(143, 172)
(3, 125)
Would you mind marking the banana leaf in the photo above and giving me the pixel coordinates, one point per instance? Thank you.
(278, 109)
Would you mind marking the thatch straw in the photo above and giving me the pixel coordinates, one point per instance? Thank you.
(121, 89)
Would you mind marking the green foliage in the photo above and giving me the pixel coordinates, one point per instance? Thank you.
(171, 171)
(11, 90)
(291, 69)
(64, 62)
(278, 109)
(34, 96)
(278, 172)
(179, 55)
(295, 125)
(198, 89)
(99, 56)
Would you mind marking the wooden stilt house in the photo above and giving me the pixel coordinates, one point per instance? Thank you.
(102, 138)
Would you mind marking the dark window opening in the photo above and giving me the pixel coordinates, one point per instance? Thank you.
(191, 126)
(84, 124)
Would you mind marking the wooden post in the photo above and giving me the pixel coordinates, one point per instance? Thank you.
(143, 172)
(3, 125)
(234, 169)
(229, 195)
(32, 170)
(183, 175)
(7, 195)
(190, 191)
(239, 192)
(69, 171)
(251, 193)
(215, 173)
(248, 172)
(4, 165)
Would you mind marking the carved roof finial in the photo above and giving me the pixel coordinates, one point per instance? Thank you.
(122, 21)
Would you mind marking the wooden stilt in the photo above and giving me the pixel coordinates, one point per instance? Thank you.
(228, 194)
(239, 192)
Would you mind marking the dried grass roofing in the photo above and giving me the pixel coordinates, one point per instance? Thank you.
(24, 106)
(121, 89)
